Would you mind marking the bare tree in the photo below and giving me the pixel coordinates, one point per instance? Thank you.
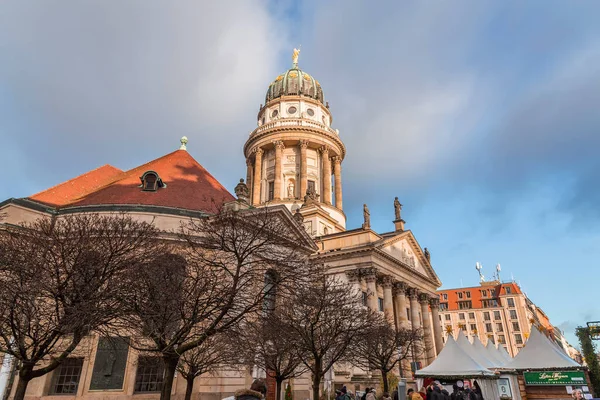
(267, 343)
(225, 268)
(213, 353)
(383, 347)
(59, 279)
(328, 318)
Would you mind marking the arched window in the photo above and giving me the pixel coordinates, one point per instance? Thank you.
(151, 181)
(270, 291)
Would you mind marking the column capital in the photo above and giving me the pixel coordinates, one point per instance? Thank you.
(303, 144)
(249, 162)
(370, 274)
(353, 275)
(400, 287)
(434, 302)
(413, 293)
(324, 149)
(258, 151)
(424, 298)
(278, 144)
(386, 281)
(336, 159)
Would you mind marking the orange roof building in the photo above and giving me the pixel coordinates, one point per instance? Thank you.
(172, 184)
(497, 311)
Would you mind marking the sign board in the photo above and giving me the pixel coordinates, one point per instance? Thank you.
(548, 378)
(504, 388)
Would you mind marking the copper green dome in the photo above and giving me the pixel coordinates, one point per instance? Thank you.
(295, 82)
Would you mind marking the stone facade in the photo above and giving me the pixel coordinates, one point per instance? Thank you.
(293, 159)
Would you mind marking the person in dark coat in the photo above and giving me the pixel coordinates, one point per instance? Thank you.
(477, 391)
(257, 391)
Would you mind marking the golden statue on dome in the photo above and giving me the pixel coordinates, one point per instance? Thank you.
(295, 56)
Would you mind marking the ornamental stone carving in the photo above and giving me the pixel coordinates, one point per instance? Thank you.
(400, 287)
(424, 298)
(434, 302)
(386, 281)
(370, 274)
(242, 192)
(353, 275)
(303, 144)
(278, 144)
(412, 293)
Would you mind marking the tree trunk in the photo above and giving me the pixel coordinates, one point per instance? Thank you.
(170, 368)
(386, 385)
(316, 379)
(189, 387)
(278, 388)
(21, 387)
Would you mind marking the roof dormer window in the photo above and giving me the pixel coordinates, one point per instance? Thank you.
(151, 181)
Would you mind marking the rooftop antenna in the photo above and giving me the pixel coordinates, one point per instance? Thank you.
(512, 277)
(479, 267)
(498, 269)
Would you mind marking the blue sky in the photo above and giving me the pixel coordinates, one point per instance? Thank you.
(482, 117)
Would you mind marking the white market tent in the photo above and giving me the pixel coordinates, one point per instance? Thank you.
(474, 352)
(501, 357)
(540, 353)
(504, 353)
(494, 361)
(454, 363)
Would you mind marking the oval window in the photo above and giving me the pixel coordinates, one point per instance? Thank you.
(274, 113)
(310, 112)
(292, 110)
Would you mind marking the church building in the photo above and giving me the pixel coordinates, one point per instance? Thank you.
(294, 162)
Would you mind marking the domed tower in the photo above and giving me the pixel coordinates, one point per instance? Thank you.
(294, 157)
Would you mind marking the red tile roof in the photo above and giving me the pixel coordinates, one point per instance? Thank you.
(189, 186)
(475, 294)
(73, 189)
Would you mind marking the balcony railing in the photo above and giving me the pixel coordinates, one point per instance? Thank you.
(291, 122)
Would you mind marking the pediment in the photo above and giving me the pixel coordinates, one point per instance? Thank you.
(405, 248)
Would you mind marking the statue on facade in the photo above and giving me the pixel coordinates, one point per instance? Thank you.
(427, 254)
(298, 216)
(367, 217)
(242, 192)
(290, 190)
(311, 196)
(397, 208)
(295, 56)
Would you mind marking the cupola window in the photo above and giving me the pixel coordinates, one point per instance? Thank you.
(292, 110)
(151, 182)
(274, 113)
(310, 112)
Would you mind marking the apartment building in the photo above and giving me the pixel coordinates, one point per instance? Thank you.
(497, 311)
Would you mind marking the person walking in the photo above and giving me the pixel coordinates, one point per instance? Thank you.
(386, 396)
(412, 395)
(371, 395)
(257, 391)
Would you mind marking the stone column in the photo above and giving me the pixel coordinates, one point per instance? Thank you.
(354, 279)
(249, 173)
(434, 302)
(427, 334)
(420, 355)
(371, 279)
(402, 323)
(326, 175)
(401, 319)
(388, 302)
(337, 172)
(303, 168)
(257, 176)
(277, 185)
